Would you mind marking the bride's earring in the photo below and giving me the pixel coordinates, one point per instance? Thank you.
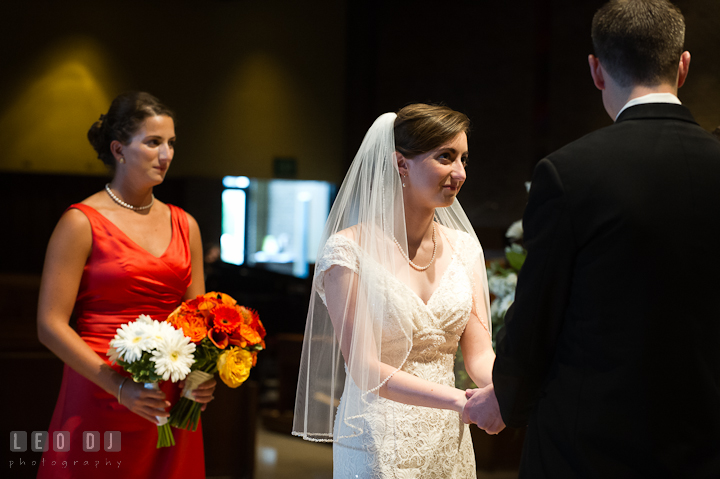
(403, 180)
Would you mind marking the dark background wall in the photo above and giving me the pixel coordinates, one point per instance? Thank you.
(518, 69)
(249, 80)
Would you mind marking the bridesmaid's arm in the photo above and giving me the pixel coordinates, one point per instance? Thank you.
(68, 250)
(197, 286)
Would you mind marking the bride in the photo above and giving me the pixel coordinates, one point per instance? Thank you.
(399, 283)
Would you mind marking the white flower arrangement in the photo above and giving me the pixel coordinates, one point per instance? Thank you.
(502, 286)
(152, 350)
(515, 232)
(173, 357)
(134, 338)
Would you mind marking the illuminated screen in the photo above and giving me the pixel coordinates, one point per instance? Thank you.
(273, 224)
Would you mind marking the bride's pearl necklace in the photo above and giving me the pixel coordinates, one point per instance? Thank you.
(139, 208)
(405, 255)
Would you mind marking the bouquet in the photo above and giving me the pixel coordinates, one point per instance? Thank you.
(152, 351)
(227, 337)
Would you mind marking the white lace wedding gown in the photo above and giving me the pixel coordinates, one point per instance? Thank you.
(399, 440)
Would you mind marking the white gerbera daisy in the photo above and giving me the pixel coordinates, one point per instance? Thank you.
(113, 354)
(165, 329)
(173, 356)
(132, 339)
(157, 332)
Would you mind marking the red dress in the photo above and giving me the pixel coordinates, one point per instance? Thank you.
(121, 281)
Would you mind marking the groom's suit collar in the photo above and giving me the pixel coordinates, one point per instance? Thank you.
(656, 110)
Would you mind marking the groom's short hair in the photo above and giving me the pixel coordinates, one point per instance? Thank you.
(639, 42)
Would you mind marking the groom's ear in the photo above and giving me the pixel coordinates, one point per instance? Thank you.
(596, 72)
(401, 162)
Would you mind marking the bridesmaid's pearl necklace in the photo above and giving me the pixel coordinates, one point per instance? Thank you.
(140, 208)
(405, 255)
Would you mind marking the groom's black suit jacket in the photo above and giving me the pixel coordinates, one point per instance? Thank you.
(611, 351)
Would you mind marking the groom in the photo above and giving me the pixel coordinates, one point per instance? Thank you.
(611, 353)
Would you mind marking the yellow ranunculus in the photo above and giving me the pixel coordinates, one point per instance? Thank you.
(234, 366)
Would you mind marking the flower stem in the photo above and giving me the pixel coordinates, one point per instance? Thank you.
(165, 436)
(185, 414)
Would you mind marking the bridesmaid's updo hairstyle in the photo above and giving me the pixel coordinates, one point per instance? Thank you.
(126, 115)
(420, 128)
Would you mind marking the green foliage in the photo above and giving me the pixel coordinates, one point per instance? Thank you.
(142, 370)
(206, 356)
(498, 268)
(516, 259)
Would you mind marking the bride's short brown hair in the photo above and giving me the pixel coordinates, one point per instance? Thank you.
(420, 128)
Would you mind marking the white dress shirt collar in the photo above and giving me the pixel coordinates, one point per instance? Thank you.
(650, 98)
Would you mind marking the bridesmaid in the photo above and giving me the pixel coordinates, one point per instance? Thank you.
(117, 254)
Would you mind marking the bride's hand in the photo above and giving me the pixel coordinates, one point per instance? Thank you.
(468, 395)
(482, 409)
(460, 401)
(146, 403)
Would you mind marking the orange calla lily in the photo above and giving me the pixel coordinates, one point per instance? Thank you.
(218, 338)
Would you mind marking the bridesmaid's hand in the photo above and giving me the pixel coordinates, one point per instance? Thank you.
(146, 403)
(203, 393)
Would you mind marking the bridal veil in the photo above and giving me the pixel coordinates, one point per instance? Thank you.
(369, 208)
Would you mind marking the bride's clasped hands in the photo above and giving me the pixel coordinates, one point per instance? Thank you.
(482, 409)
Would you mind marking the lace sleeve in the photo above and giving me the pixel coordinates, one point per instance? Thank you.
(339, 251)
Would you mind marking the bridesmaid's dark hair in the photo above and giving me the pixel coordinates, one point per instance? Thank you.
(127, 113)
(420, 128)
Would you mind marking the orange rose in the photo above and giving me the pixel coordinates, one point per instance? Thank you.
(192, 304)
(250, 335)
(226, 299)
(252, 319)
(216, 299)
(191, 323)
(245, 336)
